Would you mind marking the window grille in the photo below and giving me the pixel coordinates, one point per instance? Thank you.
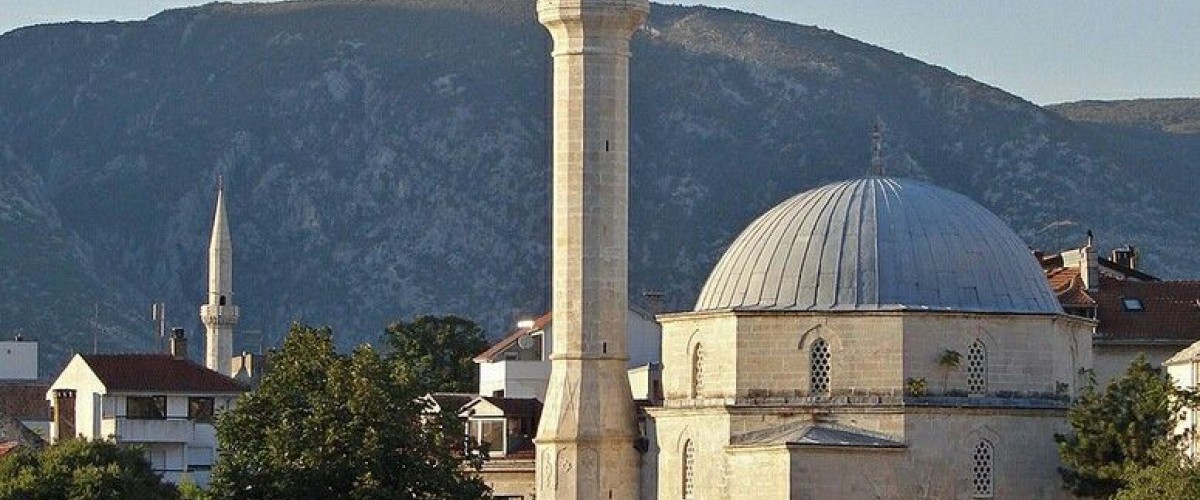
(982, 477)
(698, 371)
(819, 367)
(977, 368)
(689, 471)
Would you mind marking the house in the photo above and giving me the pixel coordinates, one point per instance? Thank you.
(518, 366)
(1184, 369)
(1137, 313)
(164, 403)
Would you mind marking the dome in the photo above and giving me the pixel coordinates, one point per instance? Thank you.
(878, 244)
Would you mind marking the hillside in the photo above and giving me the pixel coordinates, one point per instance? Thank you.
(1176, 116)
(389, 158)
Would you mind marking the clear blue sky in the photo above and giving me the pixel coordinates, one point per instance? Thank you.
(1043, 50)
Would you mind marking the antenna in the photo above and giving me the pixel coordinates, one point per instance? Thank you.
(220, 182)
(877, 148)
(95, 327)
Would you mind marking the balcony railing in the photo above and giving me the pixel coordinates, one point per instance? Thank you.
(133, 430)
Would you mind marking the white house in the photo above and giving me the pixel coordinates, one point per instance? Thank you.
(1184, 369)
(518, 366)
(164, 403)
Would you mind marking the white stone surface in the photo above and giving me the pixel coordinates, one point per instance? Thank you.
(219, 314)
(585, 439)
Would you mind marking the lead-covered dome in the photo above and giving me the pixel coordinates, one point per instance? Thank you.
(878, 244)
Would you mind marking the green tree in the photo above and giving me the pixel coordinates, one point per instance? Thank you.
(1174, 476)
(324, 425)
(79, 469)
(1117, 430)
(435, 352)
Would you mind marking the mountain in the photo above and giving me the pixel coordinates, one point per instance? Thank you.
(389, 158)
(1176, 116)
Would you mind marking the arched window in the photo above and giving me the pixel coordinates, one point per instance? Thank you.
(689, 470)
(982, 469)
(698, 371)
(819, 367)
(977, 368)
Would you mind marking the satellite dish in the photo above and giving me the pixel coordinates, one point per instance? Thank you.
(525, 342)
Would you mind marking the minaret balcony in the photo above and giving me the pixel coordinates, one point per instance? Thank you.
(219, 315)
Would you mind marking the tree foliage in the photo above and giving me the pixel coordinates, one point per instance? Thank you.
(1117, 430)
(331, 426)
(79, 469)
(435, 352)
(1173, 476)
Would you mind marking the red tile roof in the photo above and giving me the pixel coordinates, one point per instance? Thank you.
(511, 339)
(157, 373)
(1170, 310)
(25, 401)
(8, 446)
(1068, 286)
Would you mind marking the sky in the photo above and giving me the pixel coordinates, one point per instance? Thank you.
(1046, 51)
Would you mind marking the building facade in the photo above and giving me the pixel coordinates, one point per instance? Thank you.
(875, 338)
(163, 403)
(1137, 313)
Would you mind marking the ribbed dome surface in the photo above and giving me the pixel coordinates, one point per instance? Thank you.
(878, 244)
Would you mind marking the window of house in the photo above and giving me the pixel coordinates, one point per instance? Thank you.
(977, 368)
(200, 409)
(819, 367)
(982, 470)
(149, 407)
(489, 431)
(698, 371)
(689, 471)
(1132, 304)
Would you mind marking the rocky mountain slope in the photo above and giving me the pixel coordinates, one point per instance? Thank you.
(390, 158)
(1177, 116)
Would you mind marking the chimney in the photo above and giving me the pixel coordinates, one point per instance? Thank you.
(654, 300)
(64, 414)
(1126, 256)
(178, 344)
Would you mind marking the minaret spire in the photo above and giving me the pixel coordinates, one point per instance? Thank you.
(585, 440)
(219, 313)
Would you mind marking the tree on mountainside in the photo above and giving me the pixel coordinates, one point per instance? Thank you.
(1117, 430)
(331, 426)
(435, 352)
(81, 469)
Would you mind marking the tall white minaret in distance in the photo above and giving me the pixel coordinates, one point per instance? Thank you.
(219, 314)
(585, 441)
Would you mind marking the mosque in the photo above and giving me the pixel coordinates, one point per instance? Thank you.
(872, 338)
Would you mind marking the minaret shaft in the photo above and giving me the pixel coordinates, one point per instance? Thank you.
(219, 313)
(585, 441)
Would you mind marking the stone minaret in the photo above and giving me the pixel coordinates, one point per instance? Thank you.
(219, 314)
(585, 442)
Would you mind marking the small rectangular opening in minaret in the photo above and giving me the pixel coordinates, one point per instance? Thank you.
(606, 146)
(604, 347)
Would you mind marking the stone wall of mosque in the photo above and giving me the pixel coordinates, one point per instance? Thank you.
(948, 455)
(1002, 355)
(792, 357)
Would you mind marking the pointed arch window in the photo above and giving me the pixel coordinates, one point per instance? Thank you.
(982, 468)
(698, 371)
(819, 358)
(977, 375)
(689, 470)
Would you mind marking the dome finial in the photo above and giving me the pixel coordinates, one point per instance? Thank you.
(877, 148)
